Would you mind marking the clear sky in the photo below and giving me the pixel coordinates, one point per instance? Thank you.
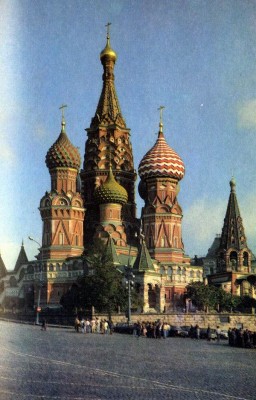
(197, 58)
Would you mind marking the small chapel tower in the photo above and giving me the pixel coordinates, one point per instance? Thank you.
(233, 254)
(62, 209)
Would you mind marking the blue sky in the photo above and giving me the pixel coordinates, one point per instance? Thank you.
(197, 58)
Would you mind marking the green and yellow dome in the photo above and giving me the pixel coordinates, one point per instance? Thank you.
(110, 191)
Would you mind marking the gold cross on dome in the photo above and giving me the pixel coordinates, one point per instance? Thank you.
(161, 108)
(108, 28)
(62, 109)
(161, 118)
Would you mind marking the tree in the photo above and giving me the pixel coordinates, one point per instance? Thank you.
(203, 296)
(102, 284)
(227, 301)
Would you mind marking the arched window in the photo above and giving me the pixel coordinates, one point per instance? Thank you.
(169, 271)
(30, 269)
(233, 260)
(22, 273)
(13, 281)
(245, 259)
(192, 274)
(61, 238)
(162, 270)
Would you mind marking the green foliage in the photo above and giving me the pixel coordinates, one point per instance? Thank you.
(203, 296)
(211, 297)
(246, 303)
(101, 286)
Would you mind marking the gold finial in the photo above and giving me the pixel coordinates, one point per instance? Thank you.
(108, 51)
(161, 108)
(63, 123)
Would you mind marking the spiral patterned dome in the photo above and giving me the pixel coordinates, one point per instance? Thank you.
(110, 191)
(62, 153)
(161, 160)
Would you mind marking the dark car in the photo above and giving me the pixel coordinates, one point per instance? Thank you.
(204, 334)
(178, 331)
(123, 328)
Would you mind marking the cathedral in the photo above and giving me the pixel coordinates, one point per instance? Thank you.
(97, 201)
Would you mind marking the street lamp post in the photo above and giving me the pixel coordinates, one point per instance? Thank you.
(40, 280)
(129, 281)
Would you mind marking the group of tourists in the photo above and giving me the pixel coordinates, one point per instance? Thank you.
(242, 338)
(159, 329)
(95, 325)
(153, 330)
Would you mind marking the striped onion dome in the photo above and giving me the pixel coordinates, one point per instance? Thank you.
(62, 154)
(161, 160)
(110, 191)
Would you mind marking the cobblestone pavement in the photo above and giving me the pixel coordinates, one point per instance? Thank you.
(63, 364)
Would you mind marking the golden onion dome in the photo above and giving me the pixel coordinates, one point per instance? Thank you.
(110, 191)
(108, 51)
(63, 154)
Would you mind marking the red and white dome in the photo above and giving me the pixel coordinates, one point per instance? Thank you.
(161, 160)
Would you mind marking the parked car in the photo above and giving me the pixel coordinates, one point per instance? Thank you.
(204, 335)
(224, 334)
(178, 331)
(123, 328)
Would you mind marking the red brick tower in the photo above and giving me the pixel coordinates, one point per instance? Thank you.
(62, 209)
(108, 144)
(160, 171)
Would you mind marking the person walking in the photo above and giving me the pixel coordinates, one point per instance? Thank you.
(77, 324)
(43, 325)
(208, 332)
(218, 332)
(197, 332)
(166, 329)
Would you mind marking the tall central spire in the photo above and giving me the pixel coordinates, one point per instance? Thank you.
(108, 110)
(108, 145)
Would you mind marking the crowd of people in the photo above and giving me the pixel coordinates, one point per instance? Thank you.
(159, 329)
(242, 338)
(95, 325)
(155, 330)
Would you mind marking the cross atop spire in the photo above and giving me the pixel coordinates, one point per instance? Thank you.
(108, 29)
(161, 108)
(63, 123)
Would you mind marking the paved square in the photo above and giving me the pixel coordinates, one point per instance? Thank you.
(63, 364)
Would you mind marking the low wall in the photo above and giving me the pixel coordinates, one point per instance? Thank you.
(225, 321)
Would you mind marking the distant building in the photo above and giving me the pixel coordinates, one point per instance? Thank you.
(12, 294)
(230, 257)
